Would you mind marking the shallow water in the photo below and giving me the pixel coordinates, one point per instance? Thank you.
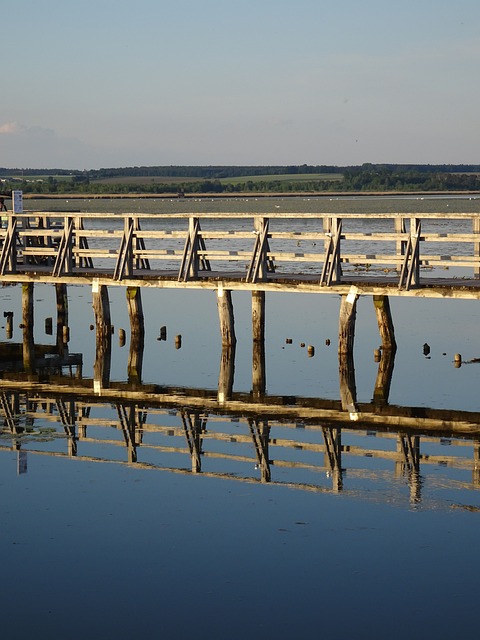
(96, 544)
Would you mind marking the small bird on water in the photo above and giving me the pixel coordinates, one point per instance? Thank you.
(426, 349)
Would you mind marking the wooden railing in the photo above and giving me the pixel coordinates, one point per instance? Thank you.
(322, 247)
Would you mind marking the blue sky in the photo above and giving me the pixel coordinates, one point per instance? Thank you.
(118, 83)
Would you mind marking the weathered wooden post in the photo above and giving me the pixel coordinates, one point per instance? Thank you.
(137, 334)
(258, 333)
(135, 310)
(229, 341)
(102, 364)
(387, 352)
(346, 326)
(385, 322)
(62, 314)
(384, 377)
(135, 358)
(227, 372)
(27, 325)
(346, 337)
(101, 307)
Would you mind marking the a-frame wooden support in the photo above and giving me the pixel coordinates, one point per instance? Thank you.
(193, 258)
(332, 271)
(410, 273)
(260, 263)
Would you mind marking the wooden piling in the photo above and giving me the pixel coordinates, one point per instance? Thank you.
(135, 310)
(137, 331)
(61, 296)
(385, 322)
(384, 377)
(226, 375)
(8, 324)
(103, 353)
(346, 337)
(101, 309)
(226, 317)
(258, 335)
(229, 341)
(27, 325)
(102, 364)
(135, 358)
(348, 389)
(346, 326)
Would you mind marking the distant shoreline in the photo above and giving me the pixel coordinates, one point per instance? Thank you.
(246, 194)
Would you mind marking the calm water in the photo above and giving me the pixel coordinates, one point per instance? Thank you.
(95, 546)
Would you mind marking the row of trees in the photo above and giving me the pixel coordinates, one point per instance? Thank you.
(367, 177)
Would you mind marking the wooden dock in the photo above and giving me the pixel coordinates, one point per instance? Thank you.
(378, 255)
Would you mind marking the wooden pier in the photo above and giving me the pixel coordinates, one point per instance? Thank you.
(377, 255)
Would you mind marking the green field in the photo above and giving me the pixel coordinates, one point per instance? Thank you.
(145, 180)
(285, 177)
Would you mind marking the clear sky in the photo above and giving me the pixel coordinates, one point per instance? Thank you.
(110, 83)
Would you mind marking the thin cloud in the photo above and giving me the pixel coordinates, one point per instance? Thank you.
(39, 147)
(9, 128)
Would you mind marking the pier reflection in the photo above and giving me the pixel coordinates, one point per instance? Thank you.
(369, 450)
(388, 453)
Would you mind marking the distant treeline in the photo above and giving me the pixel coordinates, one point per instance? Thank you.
(215, 179)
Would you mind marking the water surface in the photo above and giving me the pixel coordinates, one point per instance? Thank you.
(98, 545)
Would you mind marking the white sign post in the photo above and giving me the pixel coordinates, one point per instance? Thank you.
(17, 200)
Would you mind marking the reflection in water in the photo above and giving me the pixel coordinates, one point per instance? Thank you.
(306, 445)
